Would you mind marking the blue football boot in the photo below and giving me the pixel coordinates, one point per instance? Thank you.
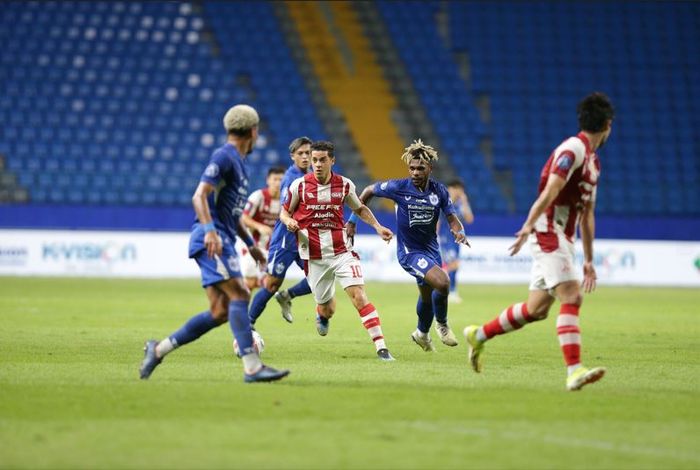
(322, 325)
(266, 374)
(150, 360)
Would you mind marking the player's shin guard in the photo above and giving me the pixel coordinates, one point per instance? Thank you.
(440, 307)
(300, 288)
(190, 331)
(425, 315)
(370, 320)
(569, 334)
(513, 318)
(258, 304)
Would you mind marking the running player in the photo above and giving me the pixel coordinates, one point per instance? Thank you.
(313, 210)
(419, 201)
(567, 193)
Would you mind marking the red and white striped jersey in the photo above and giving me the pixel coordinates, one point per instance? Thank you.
(318, 208)
(574, 161)
(265, 209)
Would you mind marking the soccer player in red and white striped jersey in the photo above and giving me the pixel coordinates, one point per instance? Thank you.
(567, 192)
(313, 209)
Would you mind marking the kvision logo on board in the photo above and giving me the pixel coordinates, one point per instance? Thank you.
(109, 252)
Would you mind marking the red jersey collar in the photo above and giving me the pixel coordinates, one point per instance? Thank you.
(585, 141)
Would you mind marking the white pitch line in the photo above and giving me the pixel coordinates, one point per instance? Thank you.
(560, 441)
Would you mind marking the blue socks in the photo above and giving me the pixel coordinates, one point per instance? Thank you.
(194, 328)
(453, 280)
(240, 325)
(440, 306)
(425, 315)
(300, 288)
(258, 304)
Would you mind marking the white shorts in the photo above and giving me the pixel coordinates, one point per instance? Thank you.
(249, 267)
(549, 269)
(322, 274)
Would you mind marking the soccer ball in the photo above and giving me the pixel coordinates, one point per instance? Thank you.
(258, 344)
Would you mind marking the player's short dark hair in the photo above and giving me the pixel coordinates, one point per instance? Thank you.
(242, 133)
(594, 112)
(275, 170)
(455, 183)
(298, 142)
(323, 146)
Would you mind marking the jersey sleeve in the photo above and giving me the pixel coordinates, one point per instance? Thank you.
(351, 198)
(291, 201)
(253, 204)
(218, 166)
(386, 189)
(567, 159)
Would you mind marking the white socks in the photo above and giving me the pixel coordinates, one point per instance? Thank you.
(164, 347)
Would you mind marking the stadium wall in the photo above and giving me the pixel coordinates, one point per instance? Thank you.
(164, 255)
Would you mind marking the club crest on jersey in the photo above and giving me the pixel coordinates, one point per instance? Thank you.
(433, 198)
(422, 263)
(212, 170)
(565, 162)
(279, 268)
(310, 195)
(383, 185)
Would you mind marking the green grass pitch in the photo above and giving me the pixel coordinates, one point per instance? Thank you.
(70, 396)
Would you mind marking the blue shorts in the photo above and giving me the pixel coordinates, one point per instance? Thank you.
(280, 259)
(219, 268)
(418, 263)
(449, 249)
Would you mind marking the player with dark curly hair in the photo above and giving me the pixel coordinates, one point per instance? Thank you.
(567, 194)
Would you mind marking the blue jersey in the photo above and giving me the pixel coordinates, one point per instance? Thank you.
(281, 237)
(227, 173)
(417, 213)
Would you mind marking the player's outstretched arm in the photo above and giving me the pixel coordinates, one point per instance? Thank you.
(365, 196)
(554, 185)
(367, 216)
(587, 236)
(457, 229)
(212, 240)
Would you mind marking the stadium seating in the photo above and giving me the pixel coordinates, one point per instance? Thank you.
(535, 60)
(444, 96)
(121, 102)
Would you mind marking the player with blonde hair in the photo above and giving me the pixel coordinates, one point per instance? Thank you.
(419, 199)
(218, 204)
